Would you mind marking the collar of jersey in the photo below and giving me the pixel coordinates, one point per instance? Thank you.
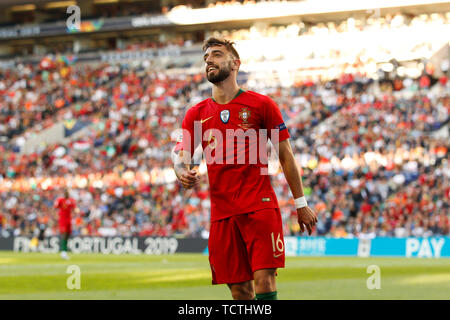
(237, 94)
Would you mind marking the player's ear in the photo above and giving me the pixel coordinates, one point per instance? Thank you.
(237, 64)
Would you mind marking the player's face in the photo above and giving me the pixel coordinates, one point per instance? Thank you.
(218, 64)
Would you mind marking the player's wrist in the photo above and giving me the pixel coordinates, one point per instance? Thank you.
(300, 202)
(180, 170)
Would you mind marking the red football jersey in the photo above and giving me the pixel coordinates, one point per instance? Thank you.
(236, 169)
(65, 207)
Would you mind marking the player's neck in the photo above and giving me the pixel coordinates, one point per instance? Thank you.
(225, 91)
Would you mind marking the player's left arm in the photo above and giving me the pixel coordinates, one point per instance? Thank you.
(306, 216)
(274, 120)
(54, 212)
(75, 208)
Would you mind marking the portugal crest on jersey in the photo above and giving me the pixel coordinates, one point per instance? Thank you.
(225, 116)
(244, 115)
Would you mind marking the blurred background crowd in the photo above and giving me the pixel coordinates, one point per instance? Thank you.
(371, 138)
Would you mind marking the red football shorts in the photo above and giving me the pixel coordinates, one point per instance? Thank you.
(65, 228)
(242, 244)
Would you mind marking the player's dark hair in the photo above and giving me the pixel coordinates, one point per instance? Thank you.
(212, 41)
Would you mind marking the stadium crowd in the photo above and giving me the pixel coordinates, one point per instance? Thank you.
(32, 95)
(347, 46)
(366, 146)
(371, 165)
(130, 130)
(371, 22)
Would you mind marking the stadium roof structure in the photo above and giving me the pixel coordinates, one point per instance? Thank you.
(307, 9)
(182, 18)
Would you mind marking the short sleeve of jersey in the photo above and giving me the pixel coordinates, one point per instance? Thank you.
(274, 120)
(186, 142)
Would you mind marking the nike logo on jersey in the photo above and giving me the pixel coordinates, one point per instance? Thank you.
(277, 255)
(204, 120)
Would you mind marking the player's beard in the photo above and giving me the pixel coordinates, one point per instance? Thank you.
(223, 73)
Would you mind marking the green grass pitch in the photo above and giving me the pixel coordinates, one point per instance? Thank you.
(187, 277)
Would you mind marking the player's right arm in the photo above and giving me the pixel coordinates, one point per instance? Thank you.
(183, 151)
(187, 176)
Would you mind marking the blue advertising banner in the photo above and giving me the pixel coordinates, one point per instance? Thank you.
(411, 247)
(320, 246)
(434, 247)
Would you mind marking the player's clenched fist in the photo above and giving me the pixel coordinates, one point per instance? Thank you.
(189, 178)
(306, 218)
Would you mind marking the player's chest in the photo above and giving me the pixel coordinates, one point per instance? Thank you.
(231, 116)
(66, 204)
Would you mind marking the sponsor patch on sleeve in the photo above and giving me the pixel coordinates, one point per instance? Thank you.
(281, 126)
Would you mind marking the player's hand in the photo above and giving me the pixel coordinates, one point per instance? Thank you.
(306, 218)
(189, 178)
